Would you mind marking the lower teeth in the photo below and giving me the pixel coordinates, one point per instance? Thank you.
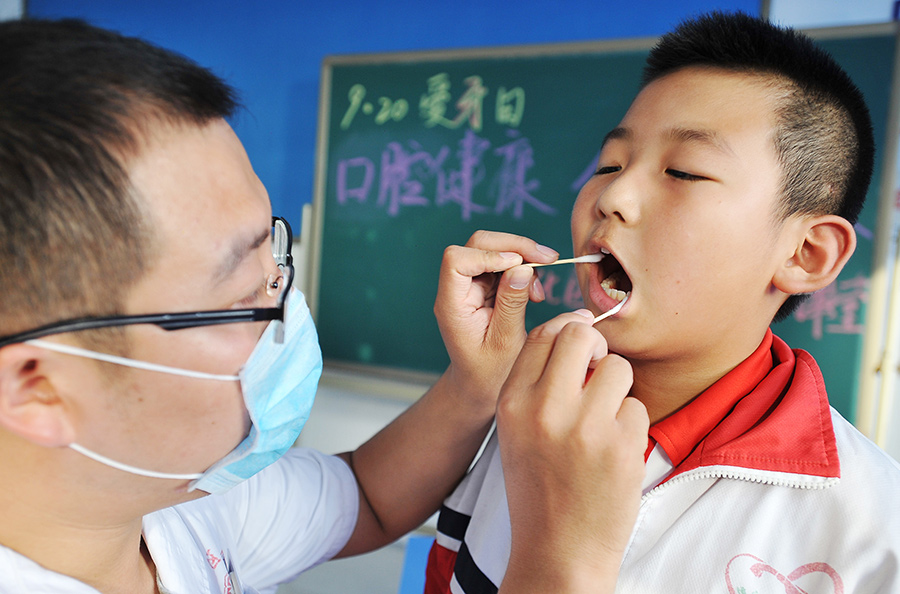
(614, 293)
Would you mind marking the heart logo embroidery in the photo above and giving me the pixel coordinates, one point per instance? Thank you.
(746, 574)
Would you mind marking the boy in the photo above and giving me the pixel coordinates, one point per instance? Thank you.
(728, 190)
(152, 352)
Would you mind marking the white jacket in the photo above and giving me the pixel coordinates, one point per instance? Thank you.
(762, 505)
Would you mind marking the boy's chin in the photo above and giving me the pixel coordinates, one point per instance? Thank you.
(618, 344)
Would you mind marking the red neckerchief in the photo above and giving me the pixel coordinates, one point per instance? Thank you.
(770, 412)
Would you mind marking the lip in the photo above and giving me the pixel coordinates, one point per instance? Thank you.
(597, 295)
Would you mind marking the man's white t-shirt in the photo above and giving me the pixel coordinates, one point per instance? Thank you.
(288, 518)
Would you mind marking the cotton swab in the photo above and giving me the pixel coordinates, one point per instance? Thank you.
(587, 258)
(612, 311)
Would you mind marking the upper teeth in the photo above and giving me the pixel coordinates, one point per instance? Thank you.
(604, 251)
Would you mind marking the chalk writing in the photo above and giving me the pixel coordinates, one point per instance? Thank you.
(863, 231)
(345, 169)
(400, 174)
(559, 290)
(410, 176)
(586, 174)
(435, 105)
(458, 185)
(356, 94)
(389, 110)
(510, 106)
(515, 189)
(840, 301)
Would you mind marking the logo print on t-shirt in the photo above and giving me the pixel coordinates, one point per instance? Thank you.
(746, 574)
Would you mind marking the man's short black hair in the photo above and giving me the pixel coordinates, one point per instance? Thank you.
(76, 103)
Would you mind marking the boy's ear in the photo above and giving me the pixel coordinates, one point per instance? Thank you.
(30, 406)
(825, 244)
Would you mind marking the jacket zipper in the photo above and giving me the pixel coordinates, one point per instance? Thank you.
(701, 473)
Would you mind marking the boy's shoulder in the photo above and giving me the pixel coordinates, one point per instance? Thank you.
(860, 457)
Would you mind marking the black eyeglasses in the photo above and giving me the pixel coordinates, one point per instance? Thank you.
(277, 285)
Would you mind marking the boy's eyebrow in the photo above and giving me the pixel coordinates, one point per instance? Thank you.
(710, 138)
(617, 133)
(685, 135)
(239, 250)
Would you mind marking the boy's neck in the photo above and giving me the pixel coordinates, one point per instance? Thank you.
(665, 386)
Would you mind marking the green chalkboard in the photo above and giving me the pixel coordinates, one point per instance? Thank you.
(417, 151)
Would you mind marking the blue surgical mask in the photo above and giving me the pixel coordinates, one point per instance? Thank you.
(278, 383)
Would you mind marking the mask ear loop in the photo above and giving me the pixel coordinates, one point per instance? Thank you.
(79, 352)
(132, 469)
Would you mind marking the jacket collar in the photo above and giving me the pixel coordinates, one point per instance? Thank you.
(769, 413)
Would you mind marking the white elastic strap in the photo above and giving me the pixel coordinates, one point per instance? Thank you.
(132, 469)
(78, 352)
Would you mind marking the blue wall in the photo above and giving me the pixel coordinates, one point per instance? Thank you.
(272, 51)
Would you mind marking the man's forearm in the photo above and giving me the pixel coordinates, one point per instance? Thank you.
(407, 469)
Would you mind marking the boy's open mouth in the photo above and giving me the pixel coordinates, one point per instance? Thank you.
(613, 281)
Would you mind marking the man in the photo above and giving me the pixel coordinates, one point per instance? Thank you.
(152, 351)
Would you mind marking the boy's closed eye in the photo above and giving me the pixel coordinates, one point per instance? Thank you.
(675, 173)
(682, 175)
(603, 170)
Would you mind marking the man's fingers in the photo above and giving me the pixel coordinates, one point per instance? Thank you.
(460, 266)
(633, 416)
(609, 385)
(495, 241)
(576, 346)
(467, 262)
(508, 318)
(535, 355)
(606, 397)
(485, 253)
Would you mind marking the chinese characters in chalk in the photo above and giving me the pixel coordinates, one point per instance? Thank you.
(407, 175)
(437, 105)
(836, 308)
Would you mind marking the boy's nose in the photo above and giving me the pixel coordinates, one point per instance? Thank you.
(620, 199)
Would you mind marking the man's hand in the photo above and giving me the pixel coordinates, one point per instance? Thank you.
(481, 313)
(573, 461)
(407, 469)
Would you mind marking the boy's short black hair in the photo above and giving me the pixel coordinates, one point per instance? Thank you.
(76, 104)
(823, 132)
